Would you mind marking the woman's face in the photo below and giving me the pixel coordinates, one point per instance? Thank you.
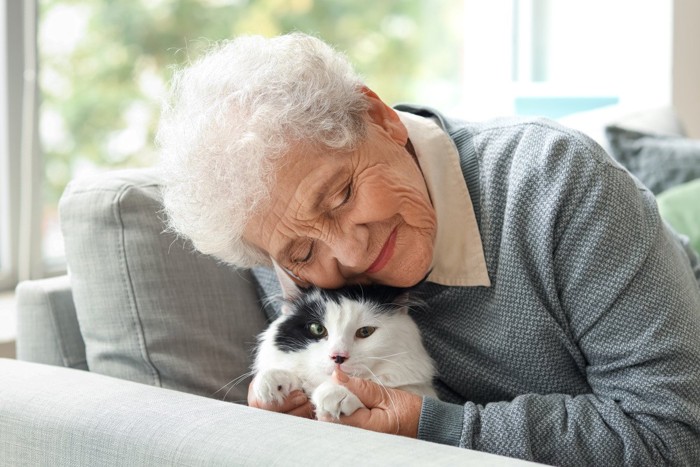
(358, 217)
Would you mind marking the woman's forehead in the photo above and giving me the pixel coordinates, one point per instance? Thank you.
(310, 177)
(297, 196)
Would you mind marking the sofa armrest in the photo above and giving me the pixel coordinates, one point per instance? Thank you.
(60, 416)
(47, 325)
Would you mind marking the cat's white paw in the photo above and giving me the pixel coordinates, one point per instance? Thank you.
(332, 400)
(274, 385)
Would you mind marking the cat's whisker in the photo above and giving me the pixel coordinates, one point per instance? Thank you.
(377, 380)
(237, 381)
(383, 359)
(386, 357)
(387, 392)
(233, 383)
(394, 354)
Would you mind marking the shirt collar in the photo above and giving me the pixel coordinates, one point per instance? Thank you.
(458, 257)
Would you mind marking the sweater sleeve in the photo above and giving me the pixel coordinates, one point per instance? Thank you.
(632, 307)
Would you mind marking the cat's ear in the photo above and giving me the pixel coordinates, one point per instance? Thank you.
(290, 290)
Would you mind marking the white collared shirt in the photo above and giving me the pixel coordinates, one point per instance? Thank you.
(458, 257)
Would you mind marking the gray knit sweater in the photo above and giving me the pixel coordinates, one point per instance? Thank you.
(586, 349)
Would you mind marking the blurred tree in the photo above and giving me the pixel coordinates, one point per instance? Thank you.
(104, 64)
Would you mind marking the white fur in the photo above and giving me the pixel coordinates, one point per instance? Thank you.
(392, 356)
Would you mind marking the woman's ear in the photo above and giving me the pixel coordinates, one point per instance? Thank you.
(290, 290)
(386, 117)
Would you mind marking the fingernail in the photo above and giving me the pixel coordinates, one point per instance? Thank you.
(342, 377)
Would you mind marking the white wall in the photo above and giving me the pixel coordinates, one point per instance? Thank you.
(686, 64)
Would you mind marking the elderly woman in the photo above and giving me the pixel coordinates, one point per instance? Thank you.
(563, 316)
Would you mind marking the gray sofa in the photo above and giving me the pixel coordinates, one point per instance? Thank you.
(131, 359)
(134, 357)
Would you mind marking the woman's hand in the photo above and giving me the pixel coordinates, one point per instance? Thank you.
(296, 403)
(387, 410)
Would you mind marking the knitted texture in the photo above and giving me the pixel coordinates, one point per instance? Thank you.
(586, 349)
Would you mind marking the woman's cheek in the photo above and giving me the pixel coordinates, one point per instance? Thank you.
(379, 201)
(381, 197)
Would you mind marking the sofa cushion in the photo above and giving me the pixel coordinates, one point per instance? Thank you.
(658, 161)
(150, 308)
(659, 120)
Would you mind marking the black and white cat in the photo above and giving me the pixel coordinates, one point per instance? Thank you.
(364, 330)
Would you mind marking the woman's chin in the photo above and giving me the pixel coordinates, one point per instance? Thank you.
(406, 277)
(408, 273)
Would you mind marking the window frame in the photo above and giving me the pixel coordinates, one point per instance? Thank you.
(20, 158)
(11, 31)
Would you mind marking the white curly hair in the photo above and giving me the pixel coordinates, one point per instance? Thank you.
(231, 115)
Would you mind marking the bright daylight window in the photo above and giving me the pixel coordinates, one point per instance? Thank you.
(553, 58)
(104, 65)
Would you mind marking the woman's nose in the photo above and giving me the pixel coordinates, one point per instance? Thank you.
(349, 246)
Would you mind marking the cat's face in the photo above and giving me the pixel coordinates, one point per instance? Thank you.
(331, 330)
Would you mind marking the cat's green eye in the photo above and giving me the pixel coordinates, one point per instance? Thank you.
(317, 330)
(365, 332)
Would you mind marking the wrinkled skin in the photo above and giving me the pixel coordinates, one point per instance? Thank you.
(363, 216)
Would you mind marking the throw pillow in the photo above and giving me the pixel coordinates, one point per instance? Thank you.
(150, 308)
(680, 206)
(659, 162)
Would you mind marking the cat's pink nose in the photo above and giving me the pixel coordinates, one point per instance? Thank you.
(339, 358)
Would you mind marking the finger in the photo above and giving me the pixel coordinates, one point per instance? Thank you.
(369, 393)
(369, 419)
(252, 401)
(292, 402)
(304, 411)
(388, 410)
(401, 421)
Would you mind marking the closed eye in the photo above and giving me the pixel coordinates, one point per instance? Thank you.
(347, 194)
(308, 256)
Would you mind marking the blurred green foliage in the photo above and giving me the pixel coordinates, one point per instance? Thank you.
(104, 64)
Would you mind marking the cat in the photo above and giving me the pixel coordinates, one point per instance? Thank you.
(364, 330)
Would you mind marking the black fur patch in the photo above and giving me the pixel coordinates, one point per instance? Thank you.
(386, 298)
(293, 332)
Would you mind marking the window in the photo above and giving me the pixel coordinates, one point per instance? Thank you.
(104, 66)
(552, 58)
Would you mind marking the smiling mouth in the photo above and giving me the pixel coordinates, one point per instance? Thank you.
(384, 255)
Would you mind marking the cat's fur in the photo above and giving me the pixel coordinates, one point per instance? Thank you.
(290, 357)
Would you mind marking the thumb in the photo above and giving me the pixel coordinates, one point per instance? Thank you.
(369, 393)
